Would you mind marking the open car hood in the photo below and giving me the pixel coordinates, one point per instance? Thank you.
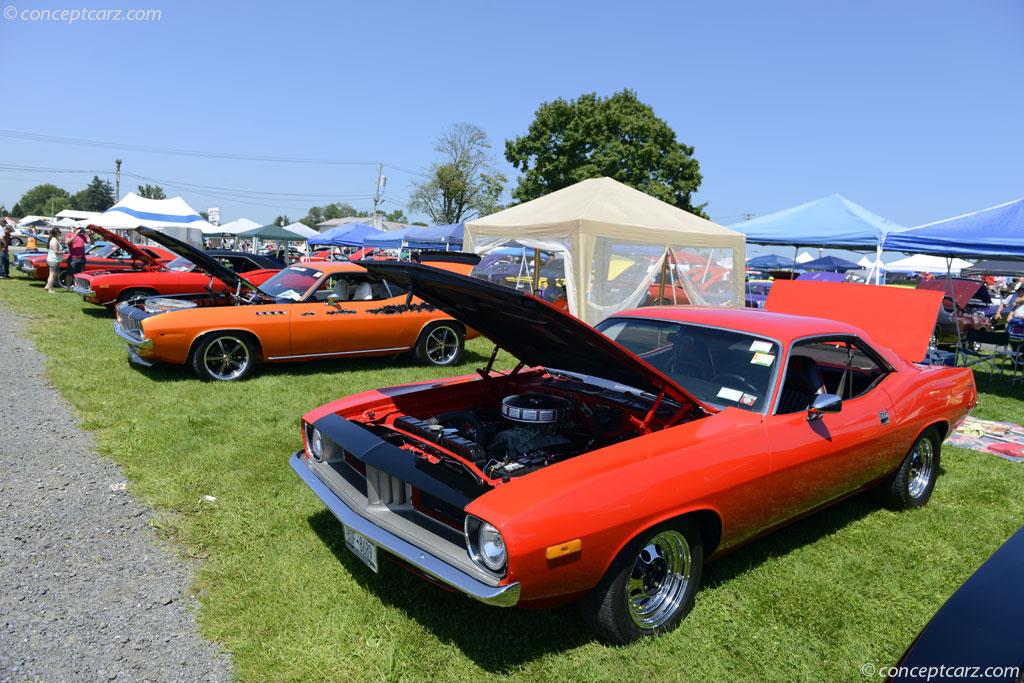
(962, 290)
(529, 328)
(201, 259)
(133, 249)
(899, 318)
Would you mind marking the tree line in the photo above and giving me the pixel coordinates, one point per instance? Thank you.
(568, 141)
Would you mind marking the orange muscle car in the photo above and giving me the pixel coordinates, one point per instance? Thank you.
(307, 311)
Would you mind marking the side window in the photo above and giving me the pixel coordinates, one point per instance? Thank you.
(354, 287)
(846, 368)
(394, 290)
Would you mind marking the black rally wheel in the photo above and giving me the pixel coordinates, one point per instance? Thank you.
(912, 484)
(224, 357)
(440, 343)
(650, 586)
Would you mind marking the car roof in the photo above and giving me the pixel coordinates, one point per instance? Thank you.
(332, 266)
(783, 327)
(255, 258)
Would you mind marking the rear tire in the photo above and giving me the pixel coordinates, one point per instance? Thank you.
(650, 586)
(441, 344)
(224, 357)
(66, 279)
(912, 484)
(15, 241)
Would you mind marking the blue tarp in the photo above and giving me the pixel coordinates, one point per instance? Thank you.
(444, 235)
(830, 222)
(832, 263)
(351, 235)
(822, 277)
(773, 261)
(994, 232)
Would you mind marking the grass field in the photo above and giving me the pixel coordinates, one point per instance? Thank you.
(278, 590)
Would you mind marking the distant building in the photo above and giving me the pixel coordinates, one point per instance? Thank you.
(335, 222)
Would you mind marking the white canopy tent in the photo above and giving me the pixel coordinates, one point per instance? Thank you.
(232, 227)
(301, 229)
(614, 240)
(804, 257)
(923, 263)
(76, 215)
(173, 216)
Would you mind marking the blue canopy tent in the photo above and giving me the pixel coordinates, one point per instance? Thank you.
(392, 239)
(832, 222)
(832, 264)
(994, 232)
(822, 276)
(351, 235)
(448, 237)
(770, 262)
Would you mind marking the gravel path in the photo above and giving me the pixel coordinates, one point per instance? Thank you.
(86, 590)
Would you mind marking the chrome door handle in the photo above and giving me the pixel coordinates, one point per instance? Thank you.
(309, 313)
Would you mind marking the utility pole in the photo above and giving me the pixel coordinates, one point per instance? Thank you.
(117, 180)
(382, 181)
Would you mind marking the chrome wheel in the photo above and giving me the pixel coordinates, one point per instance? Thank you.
(659, 580)
(226, 358)
(922, 467)
(441, 345)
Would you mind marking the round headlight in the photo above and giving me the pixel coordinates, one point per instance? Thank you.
(491, 547)
(316, 445)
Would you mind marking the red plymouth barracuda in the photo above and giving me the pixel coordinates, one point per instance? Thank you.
(610, 463)
(179, 276)
(120, 255)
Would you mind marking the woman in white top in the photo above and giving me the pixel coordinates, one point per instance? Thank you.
(54, 253)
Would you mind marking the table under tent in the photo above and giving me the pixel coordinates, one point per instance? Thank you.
(617, 247)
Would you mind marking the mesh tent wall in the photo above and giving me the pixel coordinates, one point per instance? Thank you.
(614, 241)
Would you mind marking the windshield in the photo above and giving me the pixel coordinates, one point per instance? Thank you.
(101, 250)
(180, 265)
(720, 367)
(291, 283)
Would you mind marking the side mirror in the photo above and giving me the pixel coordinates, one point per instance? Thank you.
(334, 300)
(824, 403)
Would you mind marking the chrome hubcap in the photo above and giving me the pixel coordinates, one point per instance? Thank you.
(442, 345)
(922, 467)
(660, 577)
(226, 358)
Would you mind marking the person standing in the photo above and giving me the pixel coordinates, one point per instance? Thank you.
(76, 252)
(54, 254)
(5, 253)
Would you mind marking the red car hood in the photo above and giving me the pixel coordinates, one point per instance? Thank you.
(133, 249)
(963, 290)
(529, 328)
(899, 318)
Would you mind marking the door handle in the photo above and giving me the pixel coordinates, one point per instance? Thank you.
(309, 313)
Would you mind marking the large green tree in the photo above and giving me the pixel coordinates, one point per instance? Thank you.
(619, 137)
(463, 184)
(43, 200)
(98, 195)
(152, 191)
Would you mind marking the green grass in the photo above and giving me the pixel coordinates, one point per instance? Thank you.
(278, 590)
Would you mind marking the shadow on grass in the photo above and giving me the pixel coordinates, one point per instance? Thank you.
(999, 385)
(98, 312)
(457, 619)
(162, 372)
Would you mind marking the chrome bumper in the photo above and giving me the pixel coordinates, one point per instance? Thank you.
(131, 339)
(77, 289)
(500, 596)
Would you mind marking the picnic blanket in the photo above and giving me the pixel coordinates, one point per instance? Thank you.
(1004, 439)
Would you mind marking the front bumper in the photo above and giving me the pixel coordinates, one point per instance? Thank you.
(84, 292)
(500, 596)
(134, 345)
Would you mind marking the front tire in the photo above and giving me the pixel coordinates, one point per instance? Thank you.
(441, 344)
(912, 484)
(16, 242)
(650, 585)
(66, 279)
(129, 294)
(224, 357)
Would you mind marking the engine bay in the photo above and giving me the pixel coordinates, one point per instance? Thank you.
(543, 423)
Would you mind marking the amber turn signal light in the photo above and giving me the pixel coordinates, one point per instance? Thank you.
(562, 549)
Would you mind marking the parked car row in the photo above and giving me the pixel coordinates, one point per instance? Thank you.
(610, 465)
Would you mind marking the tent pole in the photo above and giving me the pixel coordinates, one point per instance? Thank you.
(956, 311)
(661, 279)
(878, 264)
(796, 252)
(536, 271)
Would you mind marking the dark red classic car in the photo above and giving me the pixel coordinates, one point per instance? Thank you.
(119, 255)
(611, 461)
(179, 276)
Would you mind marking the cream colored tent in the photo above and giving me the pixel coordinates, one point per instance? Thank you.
(614, 240)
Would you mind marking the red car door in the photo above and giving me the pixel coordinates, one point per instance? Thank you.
(814, 461)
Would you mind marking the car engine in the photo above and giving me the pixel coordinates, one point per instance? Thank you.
(528, 431)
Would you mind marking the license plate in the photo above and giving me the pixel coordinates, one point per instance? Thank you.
(361, 547)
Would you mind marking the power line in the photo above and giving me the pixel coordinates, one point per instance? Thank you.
(83, 142)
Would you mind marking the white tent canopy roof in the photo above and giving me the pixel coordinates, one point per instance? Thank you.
(173, 216)
(923, 263)
(233, 227)
(76, 215)
(29, 220)
(804, 257)
(605, 228)
(301, 229)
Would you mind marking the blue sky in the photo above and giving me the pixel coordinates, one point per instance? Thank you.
(913, 109)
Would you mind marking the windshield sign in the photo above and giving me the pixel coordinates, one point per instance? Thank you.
(291, 283)
(720, 367)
